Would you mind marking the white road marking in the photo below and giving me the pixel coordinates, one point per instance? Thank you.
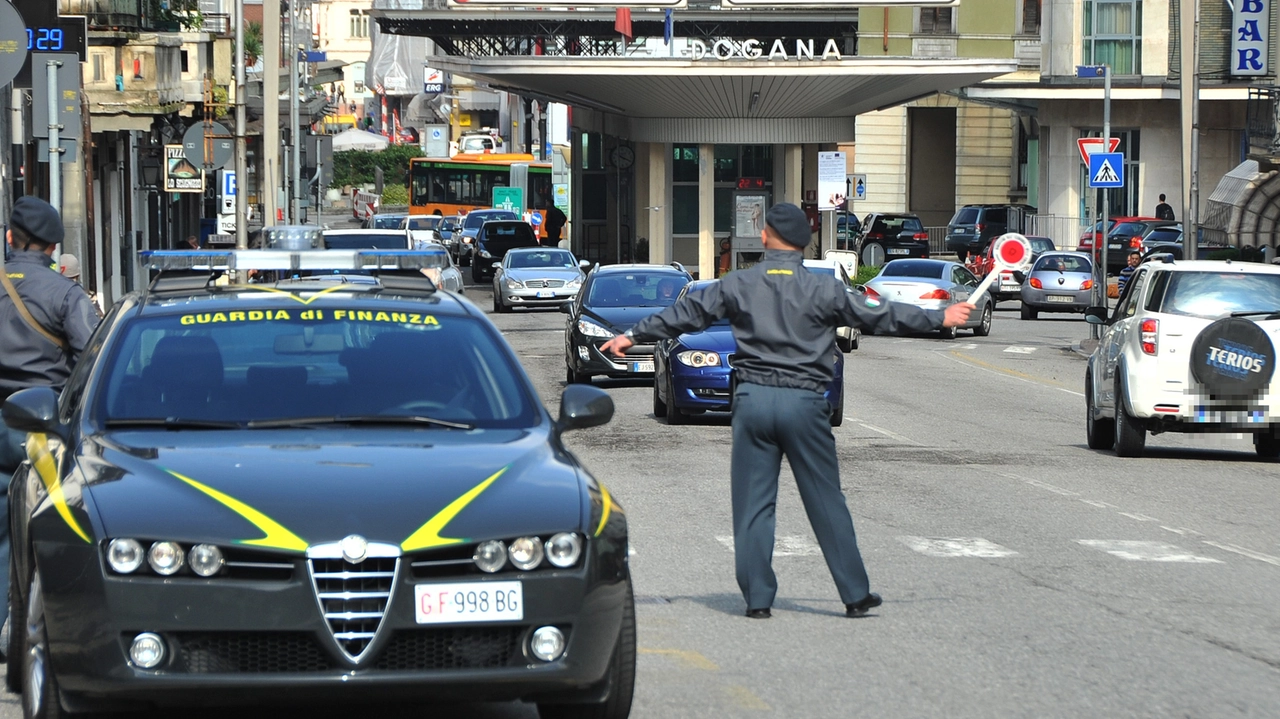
(1020, 350)
(905, 340)
(880, 430)
(1181, 530)
(1051, 488)
(783, 546)
(1071, 391)
(969, 346)
(1139, 517)
(944, 354)
(1140, 551)
(1246, 552)
(1099, 504)
(957, 547)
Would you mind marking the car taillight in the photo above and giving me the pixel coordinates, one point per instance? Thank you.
(1086, 243)
(978, 228)
(1150, 330)
(936, 295)
(1135, 242)
(872, 294)
(1035, 282)
(922, 236)
(874, 236)
(1086, 285)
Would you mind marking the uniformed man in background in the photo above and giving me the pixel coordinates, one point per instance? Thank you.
(784, 321)
(45, 323)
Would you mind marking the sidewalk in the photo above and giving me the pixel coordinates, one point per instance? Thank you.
(1085, 347)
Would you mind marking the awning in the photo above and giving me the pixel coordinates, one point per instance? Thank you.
(1244, 209)
(709, 100)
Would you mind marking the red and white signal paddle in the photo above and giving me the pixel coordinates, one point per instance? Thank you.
(1011, 252)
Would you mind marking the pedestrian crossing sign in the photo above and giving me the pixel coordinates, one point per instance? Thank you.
(1106, 169)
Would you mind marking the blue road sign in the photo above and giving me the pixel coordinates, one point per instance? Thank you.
(228, 183)
(1106, 169)
(1083, 71)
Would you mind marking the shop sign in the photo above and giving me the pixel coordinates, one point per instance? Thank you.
(754, 50)
(179, 174)
(1250, 26)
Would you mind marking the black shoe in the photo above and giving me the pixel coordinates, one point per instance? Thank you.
(762, 613)
(857, 609)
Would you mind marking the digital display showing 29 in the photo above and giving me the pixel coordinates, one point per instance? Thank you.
(45, 39)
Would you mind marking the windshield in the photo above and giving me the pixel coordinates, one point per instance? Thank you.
(635, 289)
(475, 219)
(1062, 263)
(1041, 244)
(365, 241)
(386, 222)
(558, 259)
(913, 268)
(1216, 294)
(293, 361)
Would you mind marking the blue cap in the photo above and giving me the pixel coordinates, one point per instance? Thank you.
(38, 219)
(790, 224)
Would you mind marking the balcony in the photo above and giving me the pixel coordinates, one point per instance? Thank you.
(1262, 123)
(109, 14)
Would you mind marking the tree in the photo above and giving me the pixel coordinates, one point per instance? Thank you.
(252, 43)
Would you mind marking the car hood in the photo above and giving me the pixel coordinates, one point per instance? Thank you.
(715, 339)
(567, 274)
(288, 489)
(620, 319)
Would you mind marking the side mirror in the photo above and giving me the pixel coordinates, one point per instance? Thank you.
(582, 406)
(1095, 315)
(34, 410)
(1020, 276)
(584, 264)
(567, 308)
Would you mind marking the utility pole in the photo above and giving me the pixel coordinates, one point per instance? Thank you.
(55, 142)
(270, 177)
(295, 154)
(1106, 194)
(242, 150)
(1191, 220)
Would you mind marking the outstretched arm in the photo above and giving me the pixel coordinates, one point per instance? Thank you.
(691, 313)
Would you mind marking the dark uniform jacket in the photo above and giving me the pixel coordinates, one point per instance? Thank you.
(784, 319)
(60, 305)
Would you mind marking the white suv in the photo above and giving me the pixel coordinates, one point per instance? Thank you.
(1190, 347)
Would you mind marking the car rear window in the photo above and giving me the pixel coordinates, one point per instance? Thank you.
(1165, 236)
(913, 268)
(1062, 263)
(1217, 294)
(387, 222)
(288, 361)
(635, 289)
(510, 231)
(1129, 229)
(965, 216)
(475, 219)
(894, 225)
(422, 223)
(365, 241)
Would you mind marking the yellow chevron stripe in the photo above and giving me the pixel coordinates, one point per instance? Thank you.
(428, 535)
(277, 537)
(294, 297)
(42, 461)
(604, 513)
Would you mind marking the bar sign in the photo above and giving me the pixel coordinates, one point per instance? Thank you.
(1250, 24)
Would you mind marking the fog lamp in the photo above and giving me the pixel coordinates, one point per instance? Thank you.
(547, 644)
(147, 650)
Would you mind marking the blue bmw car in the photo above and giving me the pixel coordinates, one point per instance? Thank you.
(691, 372)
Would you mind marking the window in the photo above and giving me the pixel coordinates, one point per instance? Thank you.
(185, 61)
(99, 68)
(1031, 17)
(359, 24)
(936, 21)
(1113, 35)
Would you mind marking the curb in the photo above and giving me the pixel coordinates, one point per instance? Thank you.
(1084, 348)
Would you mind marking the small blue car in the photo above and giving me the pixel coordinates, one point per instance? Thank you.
(691, 372)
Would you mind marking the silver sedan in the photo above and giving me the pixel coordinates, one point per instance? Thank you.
(933, 285)
(1058, 282)
(536, 277)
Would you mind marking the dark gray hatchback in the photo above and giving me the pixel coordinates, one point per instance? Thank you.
(974, 226)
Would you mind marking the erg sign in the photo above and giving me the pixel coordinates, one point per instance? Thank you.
(1250, 23)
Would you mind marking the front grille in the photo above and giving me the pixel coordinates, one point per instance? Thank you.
(451, 648)
(541, 284)
(354, 597)
(250, 652)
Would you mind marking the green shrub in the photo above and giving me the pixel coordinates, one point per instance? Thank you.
(1231, 253)
(865, 274)
(355, 167)
(395, 195)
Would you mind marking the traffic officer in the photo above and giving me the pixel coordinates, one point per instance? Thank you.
(45, 323)
(784, 320)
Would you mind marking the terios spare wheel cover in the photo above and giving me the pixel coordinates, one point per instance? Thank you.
(1233, 358)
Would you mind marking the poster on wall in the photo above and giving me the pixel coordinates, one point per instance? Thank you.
(748, 215)
(831, 180)
(179, 174)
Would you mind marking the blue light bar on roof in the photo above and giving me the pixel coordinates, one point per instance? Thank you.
(333, 260)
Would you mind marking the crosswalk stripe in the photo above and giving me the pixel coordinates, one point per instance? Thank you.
(783, 546)
(1140, 551)
(957, 547)
(1020, 350)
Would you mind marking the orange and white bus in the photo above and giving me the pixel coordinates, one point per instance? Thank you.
(465, 182)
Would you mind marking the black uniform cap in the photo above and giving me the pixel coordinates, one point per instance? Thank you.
(38, 219)
(790, 224)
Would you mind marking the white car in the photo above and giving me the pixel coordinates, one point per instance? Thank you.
(1190, 347)
(847, 338)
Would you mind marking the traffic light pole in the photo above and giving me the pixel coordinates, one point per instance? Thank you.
(1106, 195)
(242, 151)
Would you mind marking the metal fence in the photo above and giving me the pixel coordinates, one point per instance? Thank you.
(937, 240)
(1064, 231)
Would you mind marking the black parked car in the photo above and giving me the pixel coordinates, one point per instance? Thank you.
(974, 226)
(493, 240)
(890, 237)
(612, 300)
(327, 491)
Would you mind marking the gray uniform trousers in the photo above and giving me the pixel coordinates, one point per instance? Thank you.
(769, 422)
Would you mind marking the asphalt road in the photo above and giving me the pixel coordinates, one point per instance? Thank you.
(1024, 575)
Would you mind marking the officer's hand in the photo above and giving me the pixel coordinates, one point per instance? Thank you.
(958, 314)
(618, 345)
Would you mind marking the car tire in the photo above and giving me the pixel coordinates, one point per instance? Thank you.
(572, 377)
(844, 344)
(872, 255)
(477, 275)
(1100, 433)
(947, 333)
(984, 327)
(1267, 444)
(1028, 313)
(674, 414)
(961, 256)
(622, 677)
(855, 340)
(659, 407)
(1131, 437)
(40, 695)
(17, 646)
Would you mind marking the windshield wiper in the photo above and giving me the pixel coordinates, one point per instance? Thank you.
(357, 419)
(1270, 314)
(171, 423)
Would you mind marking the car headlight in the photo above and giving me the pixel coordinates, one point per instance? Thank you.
(165, 558)
(526, 552)
(490, 556)
(125, 555)
(573, 284)
(564, 549)
(513, 284)
(698, 358)
(591, 329)
(205, 560)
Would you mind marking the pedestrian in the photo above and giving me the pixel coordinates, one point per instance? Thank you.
(1163, 210)
(726, 258)
(69, 266)
(784, 320)
(1132, 266)
(554, 221)
(46, 320)
(191, 243)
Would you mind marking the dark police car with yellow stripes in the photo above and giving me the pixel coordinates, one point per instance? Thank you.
(315, 487)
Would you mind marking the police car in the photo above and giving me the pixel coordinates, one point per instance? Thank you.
(308, 489)
(1190, 347)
